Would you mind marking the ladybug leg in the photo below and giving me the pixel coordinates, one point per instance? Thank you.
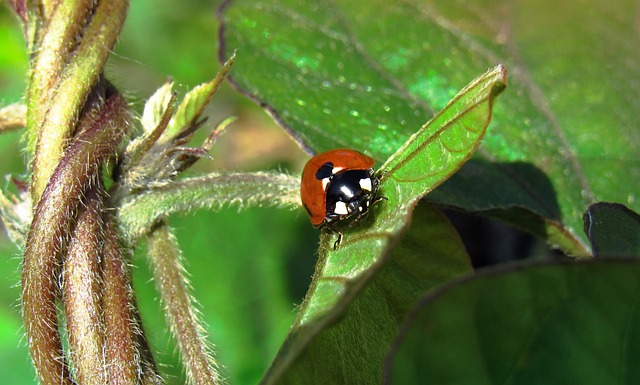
(355, 220)
(378, 199)
(338, 241)
(363, 214)
(382, 176)
(333, 229)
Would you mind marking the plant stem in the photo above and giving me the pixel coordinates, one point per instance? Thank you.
(59, 40)
(73, 85)
(140, 213)
(185, 326)
(48, 235)
(82, 293)
(121, 326)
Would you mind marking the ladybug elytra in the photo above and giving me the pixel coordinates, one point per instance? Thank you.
(338, 185)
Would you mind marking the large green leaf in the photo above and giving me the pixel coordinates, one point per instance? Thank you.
(431, 155)
(562, 323)
(352, 350)
(367, 74)
(343, 275)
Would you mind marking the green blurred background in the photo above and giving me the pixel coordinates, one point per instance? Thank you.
(248, 268)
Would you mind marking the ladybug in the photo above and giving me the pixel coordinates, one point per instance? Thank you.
(338, 186)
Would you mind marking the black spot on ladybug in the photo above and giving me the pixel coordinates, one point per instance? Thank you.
(325, 171)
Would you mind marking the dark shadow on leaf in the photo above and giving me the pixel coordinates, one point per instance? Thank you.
(515, 201)
(481, 185)
(490, 242)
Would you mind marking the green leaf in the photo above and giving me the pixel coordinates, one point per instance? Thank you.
(351, 347)
(366, 75)
(557, 323)
(442, 145)
(432, 154)
(155, 107)
(613, 230)
(425, 161)
(194, 103)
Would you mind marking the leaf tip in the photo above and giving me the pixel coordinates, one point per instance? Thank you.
(226, 67)
(500, 73)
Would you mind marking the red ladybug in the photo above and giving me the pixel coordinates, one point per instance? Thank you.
(338, 185)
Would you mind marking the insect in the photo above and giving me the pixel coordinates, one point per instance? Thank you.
(338, 186)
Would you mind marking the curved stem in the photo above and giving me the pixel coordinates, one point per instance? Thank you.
(121, 326)
(82, 292)
(48, 236)
(183, 321)
(74, 83)
(58, 41)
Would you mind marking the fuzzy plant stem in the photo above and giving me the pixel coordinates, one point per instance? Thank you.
(138, 214)
(48, 237)
(49, 127)
(184, 323)
(121, 323)
(82, 292)
(54, 50)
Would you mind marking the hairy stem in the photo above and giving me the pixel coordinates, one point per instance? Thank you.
(48, 235)
(140, 213)
(59, 40)
(182, 316)
(82, 292)
(121, 324)
(73, 85)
